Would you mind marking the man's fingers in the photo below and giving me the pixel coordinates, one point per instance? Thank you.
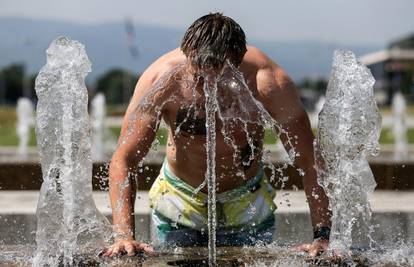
(106, 252)
(149, 249)
(314, 251)
(145, 247)
(117, 249)
(130, 249)
(303, 247)
(102, 252)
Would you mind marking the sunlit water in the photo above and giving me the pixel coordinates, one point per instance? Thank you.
(66, 214)
(273, 256)
(348, 131)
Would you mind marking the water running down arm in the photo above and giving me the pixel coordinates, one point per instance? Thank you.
(137, 134)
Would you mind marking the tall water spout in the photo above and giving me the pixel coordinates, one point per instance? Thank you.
(24, 113)
(349, 129)
(399, 128)
(210, 91)
(67, 219)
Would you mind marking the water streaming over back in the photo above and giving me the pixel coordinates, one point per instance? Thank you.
(67, 219)
(348, 131)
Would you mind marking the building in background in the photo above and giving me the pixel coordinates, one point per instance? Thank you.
(393, 69)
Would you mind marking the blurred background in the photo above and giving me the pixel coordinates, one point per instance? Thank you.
(123, 37)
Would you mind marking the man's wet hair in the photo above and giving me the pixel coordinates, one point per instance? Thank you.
(213, 39)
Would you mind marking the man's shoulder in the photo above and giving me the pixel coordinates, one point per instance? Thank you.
(270, 77)
(169, 59)
(262, 65)
(256, 57)
(165, 63)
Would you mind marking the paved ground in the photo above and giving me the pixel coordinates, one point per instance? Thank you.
(393, 217)
(24, 202)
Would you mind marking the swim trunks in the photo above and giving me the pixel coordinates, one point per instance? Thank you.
(245, 214)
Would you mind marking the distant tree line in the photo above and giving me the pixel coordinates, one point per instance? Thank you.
(14, 84)
(117, 85)
(319, 85)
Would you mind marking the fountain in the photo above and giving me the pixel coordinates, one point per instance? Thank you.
(98, 115)
(399, 128)
(348, 131)
(210, 91)
(319, 105)
(68, 221)
(103, 143)
(24, 113)
(71, 230)
(313, 117)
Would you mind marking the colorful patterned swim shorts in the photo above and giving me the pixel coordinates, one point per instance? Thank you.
(244, 214)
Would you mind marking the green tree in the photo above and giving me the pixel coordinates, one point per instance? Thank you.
(318, 84)
(11, 83)
(117, 85)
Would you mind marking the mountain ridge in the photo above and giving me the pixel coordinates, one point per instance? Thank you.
(26, 40)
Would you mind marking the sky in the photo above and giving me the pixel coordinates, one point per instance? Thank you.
(347, 21)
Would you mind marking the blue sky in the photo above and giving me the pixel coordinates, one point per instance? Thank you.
(346, 21)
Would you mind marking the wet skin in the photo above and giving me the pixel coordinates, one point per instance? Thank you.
(186, 153)
(186, 147)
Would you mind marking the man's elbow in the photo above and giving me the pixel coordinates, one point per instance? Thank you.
(121, 163)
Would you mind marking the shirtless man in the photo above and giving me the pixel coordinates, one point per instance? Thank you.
(172, 89)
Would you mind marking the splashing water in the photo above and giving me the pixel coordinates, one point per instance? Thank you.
(231, 111)
(348, 131)
(67, 218)
(210, 91)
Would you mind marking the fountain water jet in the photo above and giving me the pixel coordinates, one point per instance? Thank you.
(210, 91)
(399, 128)
(98, 115)
(68, 221)
(348, 131)
(103, 143)
(25, 118)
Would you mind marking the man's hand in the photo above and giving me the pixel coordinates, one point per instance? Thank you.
(315, 249)
(129, 247)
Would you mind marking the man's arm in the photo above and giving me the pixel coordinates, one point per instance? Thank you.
(278, 94)
(137, 134)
